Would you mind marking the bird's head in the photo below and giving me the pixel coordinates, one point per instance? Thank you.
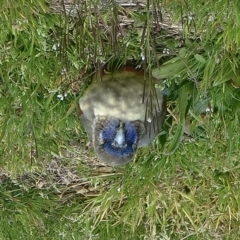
(115, 141)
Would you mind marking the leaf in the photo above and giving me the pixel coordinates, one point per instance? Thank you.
(200, 58)
(201, 107)
(72, 108)
(183, 103)
(183, 99)
(208, 72)
(175, 141)
(223, 76)
(169, 69)
(236, 77)
(237, 11)
(183, 53)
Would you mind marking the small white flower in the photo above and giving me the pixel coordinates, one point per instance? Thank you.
(62, 96)
(190, 16)
(149, 119)
(55, 46)
(166, 51)
(211, 17)
(63, 71)
(119, 189)
(142, 56)
(217, 59)
(208, 110)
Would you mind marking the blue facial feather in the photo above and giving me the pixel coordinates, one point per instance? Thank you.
(109, 132)
(108, 135)
(131, 133)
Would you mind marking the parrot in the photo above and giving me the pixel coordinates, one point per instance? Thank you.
(122, 111)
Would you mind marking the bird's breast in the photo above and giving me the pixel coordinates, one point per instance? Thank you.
(127, 108)
(119, 98)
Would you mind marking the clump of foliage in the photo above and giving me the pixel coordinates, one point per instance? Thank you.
(184, 186)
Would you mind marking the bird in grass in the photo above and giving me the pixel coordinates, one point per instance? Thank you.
(122, 111)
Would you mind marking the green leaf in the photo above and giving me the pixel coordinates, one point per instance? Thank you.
(184, 93)
(200, 58)
(175, 141)
(183, 53)
(200, 107)
(169, 69)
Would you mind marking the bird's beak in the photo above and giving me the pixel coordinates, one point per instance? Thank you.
(120, 136)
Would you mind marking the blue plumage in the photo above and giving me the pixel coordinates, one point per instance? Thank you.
(109, 133)
(131, 133)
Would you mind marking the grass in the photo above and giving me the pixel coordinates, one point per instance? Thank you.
(184, 186)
